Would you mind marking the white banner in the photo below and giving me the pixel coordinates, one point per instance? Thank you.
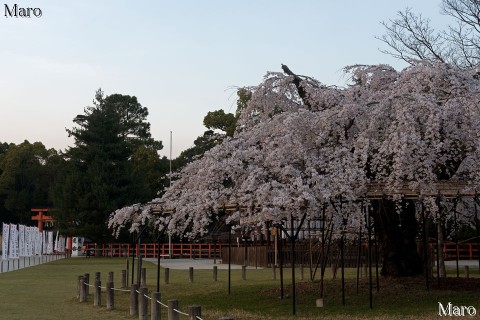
(38, 242)
(50, 242)
(21, 240)
(13, 253)
(5, 240)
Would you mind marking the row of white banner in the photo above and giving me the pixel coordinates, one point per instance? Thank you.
(23, 241)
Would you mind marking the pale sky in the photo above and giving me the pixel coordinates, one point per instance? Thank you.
(181, 59)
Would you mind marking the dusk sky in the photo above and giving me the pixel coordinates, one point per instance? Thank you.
(181, 59)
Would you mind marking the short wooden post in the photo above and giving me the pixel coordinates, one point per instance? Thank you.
(215, 273)
(467, 272)
(109, 291)
(167, 276)
(144, 277)
(195, 311)
(274, 272)
(190, 272)
(83, 293)
(110, 296)
(226, 318)
(172, 306)
(86, 280)
(133, 299)
(124, 278)
(142, 304)
(155, 306)
(97, 297)
(78, 286)
(302, 273)
(244, 272)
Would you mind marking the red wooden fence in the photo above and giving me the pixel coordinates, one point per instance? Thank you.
(466, 251)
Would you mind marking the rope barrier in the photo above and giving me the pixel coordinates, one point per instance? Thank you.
(146, 296)
(163, 305)
(180, 312)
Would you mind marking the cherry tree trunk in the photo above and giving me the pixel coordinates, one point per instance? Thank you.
(396, 234)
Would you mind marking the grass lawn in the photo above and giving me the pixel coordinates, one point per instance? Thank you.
(49, 292)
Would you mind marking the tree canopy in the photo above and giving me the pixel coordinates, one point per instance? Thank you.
(295, 153)
(411, 37)
(110, 165)
(26, 173)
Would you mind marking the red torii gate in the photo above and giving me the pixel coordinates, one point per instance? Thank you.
(41, 217)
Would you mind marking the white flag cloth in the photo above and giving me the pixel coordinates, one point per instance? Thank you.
(21, 240)
(50, 242)
(13, 253)
(5, 240)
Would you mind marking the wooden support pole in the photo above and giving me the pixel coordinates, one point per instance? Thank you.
(190, 272)
(195, 311)
(155, 306)
(110, 296)
(244, 272)
(97, 297)
(166, 278)
(133, 299)
(143, 274)
(142, 304)
(215, 273)
(86, 279)
(82, 294)
(172, 306)
(124, 278)
(78, 286)
(467, 272)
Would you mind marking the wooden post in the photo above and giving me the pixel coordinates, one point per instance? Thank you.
(79, 286)
(274, 272)
(124, 278)
(226, 318)
(97, 297)
(142, 304)
(167, 276)
(86, 280)
(195, 311)
(133, 299)
(215, 273)
(144, 277)
(244, 272)
(302, 273)
(110, 296)
(155, 306)
(467, 272)
(83, 290)
(190, 271)
(172, 306)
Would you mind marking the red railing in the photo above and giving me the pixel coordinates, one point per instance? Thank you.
(466, 251)
(151, 250)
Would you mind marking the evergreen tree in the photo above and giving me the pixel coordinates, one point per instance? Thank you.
(102, 171)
